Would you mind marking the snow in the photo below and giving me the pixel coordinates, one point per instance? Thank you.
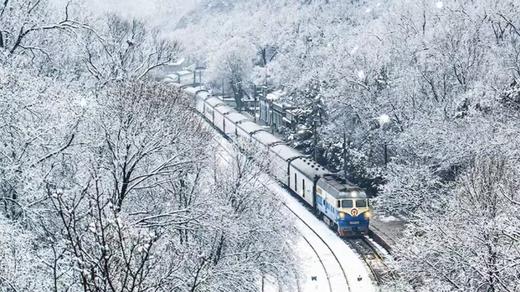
(194, 90)
(361, 74)
(275, 95)
(235, 117)
(177, 63)
(285, 151)
(249, 127)
(181, 73)
(224, 109)
(383, 120)
(213, 101)
(266, 138)
(387, 219)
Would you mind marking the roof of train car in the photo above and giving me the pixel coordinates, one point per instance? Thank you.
(339, 188)
(266, 138)
(181, 73)
(309, 167)
(235, 117)
(285, 152)
(214, 101)
(194, 90)
(224, 109)
(249, 127)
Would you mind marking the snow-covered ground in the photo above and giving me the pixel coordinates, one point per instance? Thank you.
(321, 268)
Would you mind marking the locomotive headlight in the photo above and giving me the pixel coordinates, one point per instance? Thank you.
(368, 215)
(341, 215)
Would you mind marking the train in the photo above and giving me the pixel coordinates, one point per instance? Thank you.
(342, 205)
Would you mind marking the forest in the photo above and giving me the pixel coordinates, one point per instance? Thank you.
(107, 177)
(417, 101)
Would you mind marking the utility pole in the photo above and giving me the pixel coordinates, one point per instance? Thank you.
(223, 88)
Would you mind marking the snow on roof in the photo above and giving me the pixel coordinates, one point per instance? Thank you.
(193, 90)
(177, 63)
(224, 109)
(214, 101)
(203, 94)
(249, 127)
(275, 95)
(181, 73)
(235, 117)
(266, 138)
(339, 188)
(309, 167)
(285, 152)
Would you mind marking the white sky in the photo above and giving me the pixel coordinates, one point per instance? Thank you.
(159, 11)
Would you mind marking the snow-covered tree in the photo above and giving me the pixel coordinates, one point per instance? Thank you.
(470, 242)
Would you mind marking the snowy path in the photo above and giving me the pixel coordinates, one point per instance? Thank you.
(327, 262)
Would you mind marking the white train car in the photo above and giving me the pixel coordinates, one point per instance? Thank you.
(220, 113)
(210, 105)
(247, 128)
(183, 78)
(303, 175)
(265, 139)
(230, 122)
(199, 95)
(280, 156)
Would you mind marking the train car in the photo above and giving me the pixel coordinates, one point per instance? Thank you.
(198, 94)
(183, 78)
(303, 175)
(219, 114)
(265, 139)
(209, 107)
(246, 129)
(230, 122)
(343, 206)
(280, 156)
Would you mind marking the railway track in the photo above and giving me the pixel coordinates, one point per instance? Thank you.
(373, 259)
(332, 285)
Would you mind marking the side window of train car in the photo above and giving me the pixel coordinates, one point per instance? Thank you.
(303, 187)
(361, 203)
(346, 204)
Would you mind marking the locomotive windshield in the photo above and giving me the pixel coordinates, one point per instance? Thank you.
(361, 203)
(346, 204)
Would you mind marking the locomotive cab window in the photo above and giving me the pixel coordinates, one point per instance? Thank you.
(361, 203)
(346, 204)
